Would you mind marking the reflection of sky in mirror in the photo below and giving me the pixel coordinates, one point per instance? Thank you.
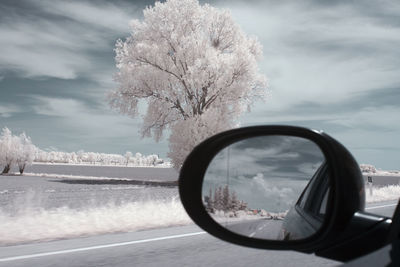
(267, 172)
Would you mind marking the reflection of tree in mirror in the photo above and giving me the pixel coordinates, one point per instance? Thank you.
(224, 200)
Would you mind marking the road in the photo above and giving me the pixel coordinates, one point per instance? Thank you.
(260, 228)
(176, 246)
(382, 180)
(269, 229)
(139, 173)
(173, 246)
(384, 208)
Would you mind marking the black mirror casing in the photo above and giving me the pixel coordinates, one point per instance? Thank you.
(344, 221)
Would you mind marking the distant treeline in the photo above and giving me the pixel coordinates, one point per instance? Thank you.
(82, 157)
(19, 151)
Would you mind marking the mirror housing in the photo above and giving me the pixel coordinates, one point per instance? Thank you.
(345, 217)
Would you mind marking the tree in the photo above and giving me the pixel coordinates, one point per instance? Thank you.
(26, 152)
(128, 156)
(195, 68)
(8, 149)
(226, 200)
(17, 150)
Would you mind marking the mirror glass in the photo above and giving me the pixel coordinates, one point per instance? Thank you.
(269, 187)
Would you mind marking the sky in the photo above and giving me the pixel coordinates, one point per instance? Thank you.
(330, 66)
(268, 172)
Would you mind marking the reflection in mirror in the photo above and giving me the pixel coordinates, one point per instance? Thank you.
(269, 187)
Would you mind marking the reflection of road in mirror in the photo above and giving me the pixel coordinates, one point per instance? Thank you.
(260, 228)
(225, 208)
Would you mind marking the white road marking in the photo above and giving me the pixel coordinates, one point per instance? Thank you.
(29, 256)
(383, 206)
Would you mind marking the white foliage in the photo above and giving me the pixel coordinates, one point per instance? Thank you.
(33, 224)
(82, 157)
(128, 156)
(185, 59)
(19, 151)
(15, 150)
(367, 168)
(186, 134)
(6, 147)
(385, 193)
(25, 152)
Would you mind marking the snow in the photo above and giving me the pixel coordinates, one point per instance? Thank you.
(36, 224)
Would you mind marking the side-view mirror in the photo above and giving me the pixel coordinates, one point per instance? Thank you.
(281, 187)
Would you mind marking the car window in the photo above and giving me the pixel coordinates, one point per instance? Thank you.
(324, 203)
(314, 198)
(304, 198)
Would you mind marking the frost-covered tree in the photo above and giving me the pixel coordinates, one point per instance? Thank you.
(128, 156)
(25, 152)
(193, 65)
(226, 200)
(367, 168)
(223, 200)
(96, 158)
(8, 149)
(218, 205)
(17, 150)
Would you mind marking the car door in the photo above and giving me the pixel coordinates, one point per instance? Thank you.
(307, 214)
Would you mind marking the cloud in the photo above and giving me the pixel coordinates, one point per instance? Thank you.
(331, 65)
(79, 116)
(60, 39)
(8, 110)
(103, 15)
(319, 54)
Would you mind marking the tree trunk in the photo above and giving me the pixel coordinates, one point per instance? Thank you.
(21, 168)
(6, 169)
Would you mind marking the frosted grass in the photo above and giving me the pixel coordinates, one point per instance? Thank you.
(390, 192)
(33, 224)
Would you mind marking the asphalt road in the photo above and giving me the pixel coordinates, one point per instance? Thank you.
(174, 246)
(260, 228)
(137, 173)
(384, 208)
(382, 180)
(177, 246)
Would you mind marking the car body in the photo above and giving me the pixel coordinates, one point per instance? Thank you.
(307, 215)
(336, 193)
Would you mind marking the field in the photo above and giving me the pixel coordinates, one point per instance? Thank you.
(53, 205)
(63, 201)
